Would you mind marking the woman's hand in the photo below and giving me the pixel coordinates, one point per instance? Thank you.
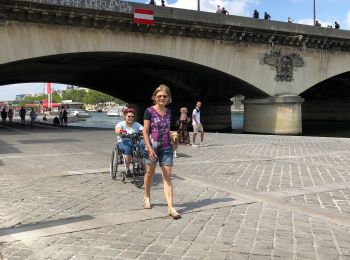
(152, 154)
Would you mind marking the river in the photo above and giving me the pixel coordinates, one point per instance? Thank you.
(310, 128)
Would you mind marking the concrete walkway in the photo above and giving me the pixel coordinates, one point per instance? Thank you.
(242, 197)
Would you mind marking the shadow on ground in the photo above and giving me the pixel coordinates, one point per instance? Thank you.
(44, 224)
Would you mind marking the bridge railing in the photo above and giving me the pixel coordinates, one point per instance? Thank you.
(105, 5)
(182, 22)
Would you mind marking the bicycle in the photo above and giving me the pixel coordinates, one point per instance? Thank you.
(137, 161)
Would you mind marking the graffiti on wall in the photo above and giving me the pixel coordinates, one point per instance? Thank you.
(106, 5)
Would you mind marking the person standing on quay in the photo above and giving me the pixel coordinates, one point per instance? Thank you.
(156, 134)
(10, 114)
(22, 115)
(32, 116)
(4, 115)
(197, 125)
(184, 136)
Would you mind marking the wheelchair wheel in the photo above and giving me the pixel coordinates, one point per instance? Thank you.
(139, 170)
(116, 160)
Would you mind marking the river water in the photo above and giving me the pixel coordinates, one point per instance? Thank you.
(310, 128)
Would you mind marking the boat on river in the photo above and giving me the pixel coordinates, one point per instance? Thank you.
(75, 109)
(115, 112)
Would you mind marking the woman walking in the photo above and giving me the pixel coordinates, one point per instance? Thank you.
(184, 135)
(156, 133)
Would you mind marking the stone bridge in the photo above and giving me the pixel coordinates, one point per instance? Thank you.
(286, 71)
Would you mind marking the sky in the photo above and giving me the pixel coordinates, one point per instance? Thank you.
(301, 11)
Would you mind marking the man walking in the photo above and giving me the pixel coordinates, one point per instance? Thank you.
(197, 125)
(22, 114)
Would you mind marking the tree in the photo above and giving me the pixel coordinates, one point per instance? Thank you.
(95, 97)
(76, 95)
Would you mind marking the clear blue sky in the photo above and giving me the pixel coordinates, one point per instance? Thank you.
(327, 11)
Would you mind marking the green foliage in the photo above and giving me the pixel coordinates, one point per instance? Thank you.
(56, 98)
(91, 97)
(94, 97)
(77, 95)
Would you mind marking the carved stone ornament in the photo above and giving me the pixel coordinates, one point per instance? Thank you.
(284, 64)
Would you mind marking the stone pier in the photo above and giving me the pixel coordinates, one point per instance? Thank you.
(273, 115)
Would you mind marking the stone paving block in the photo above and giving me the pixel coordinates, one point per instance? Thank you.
(129, 255)
(259, 257)
(156, 249)
(109, 253)
(238, 256)
(168, 257)
(90, 251)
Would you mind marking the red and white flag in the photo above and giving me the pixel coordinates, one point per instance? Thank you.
(48, 88)
(143, 16)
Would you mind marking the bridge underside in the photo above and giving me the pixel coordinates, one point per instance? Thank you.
(328, 100)
(133, 77)
(125, 74)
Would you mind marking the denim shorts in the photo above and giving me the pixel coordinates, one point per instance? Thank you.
(126, 147)
(165, 157)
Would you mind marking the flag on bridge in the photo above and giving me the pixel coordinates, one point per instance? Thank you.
(143, 16)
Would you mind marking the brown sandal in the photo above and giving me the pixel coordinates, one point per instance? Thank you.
(146, 203)
(173, 213)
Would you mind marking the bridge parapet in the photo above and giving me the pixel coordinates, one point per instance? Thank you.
(118, 15)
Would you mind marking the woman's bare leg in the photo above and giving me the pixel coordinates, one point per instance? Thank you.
(168, 187)
(148, 179)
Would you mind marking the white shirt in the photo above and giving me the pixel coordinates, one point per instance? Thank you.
(197, 115)
(135, 128)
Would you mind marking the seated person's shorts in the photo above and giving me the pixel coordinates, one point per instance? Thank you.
(126, 147)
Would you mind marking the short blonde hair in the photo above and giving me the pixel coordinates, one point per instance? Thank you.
(165, 88)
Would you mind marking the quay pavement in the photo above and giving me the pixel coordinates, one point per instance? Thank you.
(241, 197)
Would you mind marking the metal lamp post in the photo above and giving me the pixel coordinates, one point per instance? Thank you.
(314, 12)
(199, 5)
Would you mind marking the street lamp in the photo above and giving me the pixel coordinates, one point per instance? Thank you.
(199, 5)
(314, 12)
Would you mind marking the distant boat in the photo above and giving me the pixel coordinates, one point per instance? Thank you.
(76, 109)
(114, 112)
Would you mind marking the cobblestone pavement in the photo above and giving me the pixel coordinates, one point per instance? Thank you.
(241, 196)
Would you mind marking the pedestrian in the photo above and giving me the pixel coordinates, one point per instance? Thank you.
(56, 121)
(184, 135)
(218, 10)
(197, 125)
(60, 116)
(267, 16)
(22, 115)
(336, 25)
(224, 11)
(32, 116)
(163, 3)
(256, 14)
(152, 2)
(317, 23)
(290, 20)
(4, 114)
(65, 117)
(10, 114)
(156, 134)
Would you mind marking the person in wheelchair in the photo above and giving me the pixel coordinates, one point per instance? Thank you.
(128, 126)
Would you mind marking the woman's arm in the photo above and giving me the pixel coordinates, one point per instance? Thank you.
(146, 127)
(118, 130)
